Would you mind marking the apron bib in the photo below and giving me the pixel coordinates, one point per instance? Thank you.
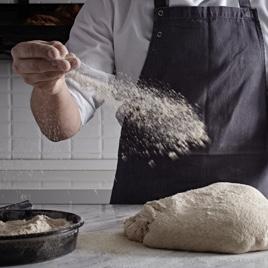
(214, 56)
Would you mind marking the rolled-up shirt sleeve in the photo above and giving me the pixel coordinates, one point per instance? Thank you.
(91, 40)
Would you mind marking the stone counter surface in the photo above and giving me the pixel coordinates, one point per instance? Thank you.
(102, 244)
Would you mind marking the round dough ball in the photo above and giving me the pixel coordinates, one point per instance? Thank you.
(222, 217)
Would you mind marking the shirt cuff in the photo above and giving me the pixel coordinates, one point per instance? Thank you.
(86, 110)
(86, 97)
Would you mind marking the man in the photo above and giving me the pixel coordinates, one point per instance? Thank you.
(214, 55)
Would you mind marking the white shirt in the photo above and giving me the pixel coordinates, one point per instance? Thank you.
(113, 35)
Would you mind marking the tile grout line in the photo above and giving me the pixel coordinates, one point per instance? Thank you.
(71, 149)
(11, 110)
(71, 155)
(41, 146)
(101, 131)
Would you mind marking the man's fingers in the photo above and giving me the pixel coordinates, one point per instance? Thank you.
(61, 48)
(73, 60)
(43, 63)
(33, 79)
(57, 44)
(34, 49)
(28, 66)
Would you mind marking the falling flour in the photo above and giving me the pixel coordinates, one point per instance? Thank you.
(37, 224)
(164, 122)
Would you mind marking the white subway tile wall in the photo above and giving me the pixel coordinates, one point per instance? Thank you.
(22, 145)
(7, 1)
(5, 148)
(20, 137)
(43, 1)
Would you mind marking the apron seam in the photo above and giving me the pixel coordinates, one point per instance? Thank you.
(209, 83)
(263, 52)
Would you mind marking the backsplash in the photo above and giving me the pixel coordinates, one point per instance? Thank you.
(78, 171)
(22, 147)
(20, 137)
(43, 1)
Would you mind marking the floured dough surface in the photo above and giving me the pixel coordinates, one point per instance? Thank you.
(38, 224)
(222, 217)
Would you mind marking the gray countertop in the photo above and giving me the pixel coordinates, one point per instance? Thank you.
(102, 244)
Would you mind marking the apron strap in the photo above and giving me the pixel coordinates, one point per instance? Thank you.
(245, 3)
(161, 3)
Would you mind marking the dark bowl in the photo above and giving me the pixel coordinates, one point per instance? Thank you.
(31, 248)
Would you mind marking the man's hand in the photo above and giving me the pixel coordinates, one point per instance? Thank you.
(43, 64)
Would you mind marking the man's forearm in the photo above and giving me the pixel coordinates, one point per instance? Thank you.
(56, 114)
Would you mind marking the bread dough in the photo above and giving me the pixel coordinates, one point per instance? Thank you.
(37, 224)
(222, 217)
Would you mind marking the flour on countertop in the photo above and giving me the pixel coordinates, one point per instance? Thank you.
(164, 122)
(38, 224)
(110, 248)
(108, 242)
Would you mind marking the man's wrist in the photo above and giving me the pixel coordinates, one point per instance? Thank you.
(52, 88)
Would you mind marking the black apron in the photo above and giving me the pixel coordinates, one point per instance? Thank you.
(214, 56)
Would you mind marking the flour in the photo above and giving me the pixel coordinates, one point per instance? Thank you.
(109, 242)
(37, 224)
(164, 122)
(110, 248)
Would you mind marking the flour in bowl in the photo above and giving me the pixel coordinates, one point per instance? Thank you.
(38, 224)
